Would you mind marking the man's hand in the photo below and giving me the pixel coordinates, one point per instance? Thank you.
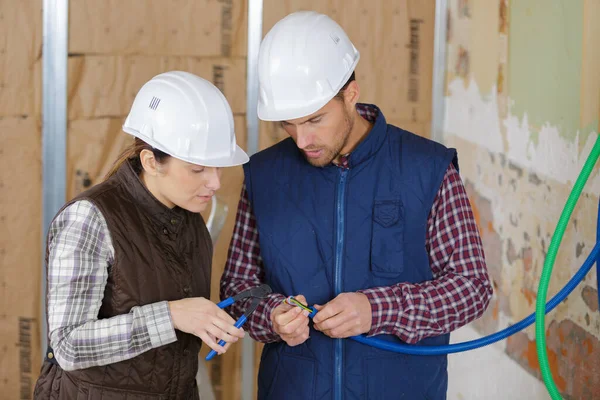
(291, 323)
(349, 314)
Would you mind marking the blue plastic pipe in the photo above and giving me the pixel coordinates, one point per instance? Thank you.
(598, 258)
(593, 257)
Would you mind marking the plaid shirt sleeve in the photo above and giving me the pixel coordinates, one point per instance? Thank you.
(460, 291)
(80, 254)
(244, 269)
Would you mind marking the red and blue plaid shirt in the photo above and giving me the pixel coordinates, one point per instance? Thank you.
(458, 294)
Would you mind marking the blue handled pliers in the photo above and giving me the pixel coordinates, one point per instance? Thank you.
(257, 294)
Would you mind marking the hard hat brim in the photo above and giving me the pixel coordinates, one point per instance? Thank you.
(271, 114)
(239, 157)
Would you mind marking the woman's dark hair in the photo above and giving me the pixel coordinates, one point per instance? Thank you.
(132, 154)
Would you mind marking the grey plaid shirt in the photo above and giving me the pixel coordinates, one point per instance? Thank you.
(81, 255)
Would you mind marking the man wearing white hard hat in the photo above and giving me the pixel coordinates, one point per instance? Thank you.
(369, 223)
(129, 260)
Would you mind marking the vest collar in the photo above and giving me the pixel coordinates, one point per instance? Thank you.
(170, 219)
(372, 142)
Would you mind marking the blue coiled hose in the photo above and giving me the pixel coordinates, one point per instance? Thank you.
(484, 341)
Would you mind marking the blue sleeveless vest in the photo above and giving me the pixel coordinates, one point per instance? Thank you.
(324, 231)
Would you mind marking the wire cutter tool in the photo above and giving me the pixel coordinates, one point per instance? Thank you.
(257, 294)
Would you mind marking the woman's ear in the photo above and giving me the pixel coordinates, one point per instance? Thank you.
(149, 162)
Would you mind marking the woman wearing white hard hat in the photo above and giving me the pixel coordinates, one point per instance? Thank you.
(129, 260)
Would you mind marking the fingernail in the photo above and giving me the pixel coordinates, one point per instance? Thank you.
(305, 313)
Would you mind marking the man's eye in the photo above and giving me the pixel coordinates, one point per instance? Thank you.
(315, 121)
(197, 171)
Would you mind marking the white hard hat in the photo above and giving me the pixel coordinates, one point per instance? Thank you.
(303, 62)
(186, 117)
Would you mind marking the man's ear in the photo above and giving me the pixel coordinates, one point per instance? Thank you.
(352, 94)
(149, 162)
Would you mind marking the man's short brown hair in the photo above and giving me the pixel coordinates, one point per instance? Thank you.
(340, 94)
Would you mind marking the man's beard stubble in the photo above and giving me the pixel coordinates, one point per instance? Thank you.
(330, 154)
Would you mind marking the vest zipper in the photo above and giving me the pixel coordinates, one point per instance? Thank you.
(337, 278)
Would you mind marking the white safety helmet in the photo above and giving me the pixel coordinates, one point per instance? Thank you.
(186, 117)
(303, 62)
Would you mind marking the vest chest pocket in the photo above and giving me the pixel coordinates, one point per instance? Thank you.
(387, 241)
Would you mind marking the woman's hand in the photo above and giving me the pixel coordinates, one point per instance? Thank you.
(202, 318)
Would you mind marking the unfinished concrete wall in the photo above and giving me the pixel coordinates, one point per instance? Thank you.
(523, 96)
